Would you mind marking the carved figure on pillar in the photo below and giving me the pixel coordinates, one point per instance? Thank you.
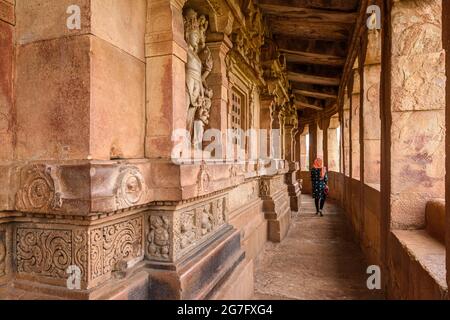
(198, 67)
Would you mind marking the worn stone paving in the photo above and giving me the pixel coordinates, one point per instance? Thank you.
(317, 260)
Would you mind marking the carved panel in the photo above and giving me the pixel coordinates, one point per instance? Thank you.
(171, 234)
(113, 244)
(37, 192)
(198, 222)
(203, 179)
(158, 238)
(264, 188)
(44, 252)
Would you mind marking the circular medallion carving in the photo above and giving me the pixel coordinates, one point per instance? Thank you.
(39, 193)
(130, 188)
(38, 189)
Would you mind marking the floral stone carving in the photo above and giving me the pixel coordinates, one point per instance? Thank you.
(113, 244)
(50, 252)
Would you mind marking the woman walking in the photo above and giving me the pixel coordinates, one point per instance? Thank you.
(319, 180)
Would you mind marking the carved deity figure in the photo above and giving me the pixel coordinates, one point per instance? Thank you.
(198, 67)
(158, 237)
(188, 234)
(207, 224)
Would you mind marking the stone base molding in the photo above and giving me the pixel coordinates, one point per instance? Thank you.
(276, 206)
(294, 188)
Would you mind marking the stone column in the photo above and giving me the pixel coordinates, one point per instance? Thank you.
(346, 135)
(446, 42)
(166, 56)
(290, 130)
(272, 187)
(319, 140)
(195, 216)
(418, 111)
(325, 123)
(355, 118)
(371, 113)
(312, 143)
(8, 131)
(266, 125)
(276, 132)
(220, 45)
(79, 129)
(333, 146)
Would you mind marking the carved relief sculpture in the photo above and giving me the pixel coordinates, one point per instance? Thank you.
(203, 179)
(158, 239)
(37, 192)
(130, 188)
(207, 220)
(115, 244)
(188, 234)
(198, 67)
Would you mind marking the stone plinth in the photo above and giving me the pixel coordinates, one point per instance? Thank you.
(294, 188)
(276, 206)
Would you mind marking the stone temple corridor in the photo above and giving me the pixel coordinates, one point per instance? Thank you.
(319, 259)
(163, 149)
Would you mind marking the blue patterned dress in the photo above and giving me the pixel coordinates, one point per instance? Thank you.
(318, 185)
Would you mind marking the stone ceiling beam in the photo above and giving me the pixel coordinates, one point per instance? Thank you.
(315, 94)
(311, 79)
(309, 15)
(303, 105)
(313, 58)
(318, 30)
(339, 5)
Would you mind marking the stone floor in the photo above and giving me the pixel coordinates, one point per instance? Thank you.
(317, 260)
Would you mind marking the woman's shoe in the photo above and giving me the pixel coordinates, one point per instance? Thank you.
(321, 214)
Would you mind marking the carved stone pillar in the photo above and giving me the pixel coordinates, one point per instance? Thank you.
(190, 248)
(166, 57)
(312, 143)
(266, 125)
(290, 129)
(219, 45)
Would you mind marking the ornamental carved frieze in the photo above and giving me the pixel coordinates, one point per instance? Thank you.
(198, 67)
(196, 223)
(2, 253)
(130, 188)
(50, 252)
(172, 234)
(38, 190)
(115, 244)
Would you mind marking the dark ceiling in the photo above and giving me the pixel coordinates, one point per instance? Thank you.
(315, 37)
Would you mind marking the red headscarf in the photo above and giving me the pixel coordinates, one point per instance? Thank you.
(318, 164)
